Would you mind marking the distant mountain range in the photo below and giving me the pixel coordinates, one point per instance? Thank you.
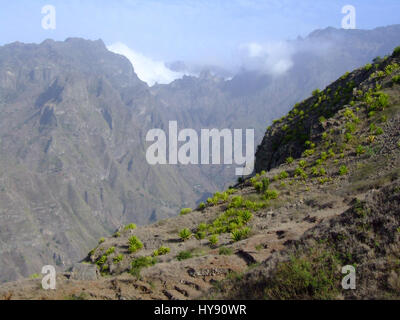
(73, 121)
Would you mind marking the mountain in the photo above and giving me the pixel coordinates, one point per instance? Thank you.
(253, 98)
(326, 195)
(72, 167)
(74, 118)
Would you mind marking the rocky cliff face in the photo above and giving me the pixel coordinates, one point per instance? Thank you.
(72, 163)
(344, 141)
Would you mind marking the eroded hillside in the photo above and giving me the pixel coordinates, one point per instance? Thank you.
(326, 194)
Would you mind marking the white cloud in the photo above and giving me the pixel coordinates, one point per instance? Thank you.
(254, 50)
(272, 58)
(147, 69)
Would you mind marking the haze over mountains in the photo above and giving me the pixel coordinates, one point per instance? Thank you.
(74, 117)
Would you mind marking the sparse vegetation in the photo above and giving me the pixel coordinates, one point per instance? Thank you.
(379, 131)
(201, 206)
(313, 274)
(200, 235)
(283, 175)
(245, 215)
(185, 234)
(368, 66)
(302, 164)
(308, 152)
(343, 170)
(218, 198)
(360, 150)
(139, 263)
(184, 255)
(396, 51)
(289, 160)
(236, 202)
(265, 184)
(316, 92)
(185, 211)
(390, 68)
(110, 251)
(240, 234)
(271, 194)
(134, 244)
(118, 258)
(202, 227)
(224, 251)
(102, 260)
(299, 172)
(161, 251)
(213, 239)
(130, 226)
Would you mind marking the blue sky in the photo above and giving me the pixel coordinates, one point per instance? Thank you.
(208, 31)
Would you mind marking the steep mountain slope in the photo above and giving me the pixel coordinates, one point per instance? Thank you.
(253, 98)
(72, 164)
(74, 117)
(326, 195)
